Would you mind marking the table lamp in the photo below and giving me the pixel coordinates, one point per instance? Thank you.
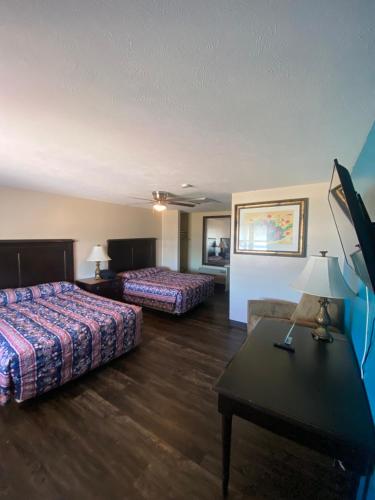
(98, 255)
(322, 277)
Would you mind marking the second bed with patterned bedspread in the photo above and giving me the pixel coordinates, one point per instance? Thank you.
(55, 332)
(159, 288)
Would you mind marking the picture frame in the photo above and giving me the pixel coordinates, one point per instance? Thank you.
(277, 228)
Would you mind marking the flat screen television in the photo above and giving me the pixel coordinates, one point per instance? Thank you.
(354, 226)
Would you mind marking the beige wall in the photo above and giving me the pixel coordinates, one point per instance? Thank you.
(195, 237)
(260, 276)
(31, 214)
(170, 254)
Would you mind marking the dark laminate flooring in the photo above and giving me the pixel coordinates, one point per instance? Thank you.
(146, 426)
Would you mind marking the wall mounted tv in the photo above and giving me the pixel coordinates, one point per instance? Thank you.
(356, 231)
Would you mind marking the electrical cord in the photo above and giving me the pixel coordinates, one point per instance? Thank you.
(370, 342)
(365, 351)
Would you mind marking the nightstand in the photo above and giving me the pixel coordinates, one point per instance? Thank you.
(110, 288)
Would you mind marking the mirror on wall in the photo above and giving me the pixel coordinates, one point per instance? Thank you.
(216, 240)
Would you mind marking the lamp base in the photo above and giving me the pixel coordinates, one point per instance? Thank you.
(323, 319)
(322, 334)
(97, 270)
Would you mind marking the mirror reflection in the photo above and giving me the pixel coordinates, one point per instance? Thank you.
(216, 240)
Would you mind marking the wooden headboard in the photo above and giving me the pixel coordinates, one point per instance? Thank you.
(31, 262)
(131, 254)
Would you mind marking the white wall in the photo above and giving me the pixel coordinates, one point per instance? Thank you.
(259, 276)
(196, 236)
(30, 214)
(170, 255)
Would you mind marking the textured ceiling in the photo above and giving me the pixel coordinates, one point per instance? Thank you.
(112, 99)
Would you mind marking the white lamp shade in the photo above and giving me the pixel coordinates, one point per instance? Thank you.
(322, 277)
(98, 254)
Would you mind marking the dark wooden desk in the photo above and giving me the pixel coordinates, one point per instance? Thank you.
(314, 396)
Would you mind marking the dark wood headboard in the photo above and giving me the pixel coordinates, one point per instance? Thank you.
(31, 262)
(131, 254)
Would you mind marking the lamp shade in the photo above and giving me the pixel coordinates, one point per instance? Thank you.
(322, 277)
(98, 254)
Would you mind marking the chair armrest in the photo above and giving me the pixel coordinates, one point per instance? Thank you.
(268, 308)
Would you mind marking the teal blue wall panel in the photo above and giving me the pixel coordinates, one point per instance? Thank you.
(363, 175)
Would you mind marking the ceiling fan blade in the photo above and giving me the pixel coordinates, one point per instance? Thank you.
(171, 199)
(144, 199)
(201, 198)
(171, 202)
(177, 198)
(198, 201)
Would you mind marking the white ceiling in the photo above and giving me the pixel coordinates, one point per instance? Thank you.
(112, 99)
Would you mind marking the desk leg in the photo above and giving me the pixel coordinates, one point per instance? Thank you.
(226, 441)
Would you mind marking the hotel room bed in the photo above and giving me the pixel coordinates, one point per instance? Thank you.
(134, 259)
(55, 332)
(164, 290)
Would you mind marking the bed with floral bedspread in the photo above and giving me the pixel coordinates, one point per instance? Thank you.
(55, 332)
(159, 288)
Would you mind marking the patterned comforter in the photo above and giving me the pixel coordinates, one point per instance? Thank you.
(158, 288)
(55, 332)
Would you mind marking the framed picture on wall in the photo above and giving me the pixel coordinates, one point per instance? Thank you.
(271, 228)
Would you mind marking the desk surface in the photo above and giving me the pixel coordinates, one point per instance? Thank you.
(317, 388)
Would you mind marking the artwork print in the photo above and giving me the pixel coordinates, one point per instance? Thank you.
(272, 228)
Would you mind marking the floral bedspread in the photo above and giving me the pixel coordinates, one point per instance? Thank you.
(165, 290)
(55, 332)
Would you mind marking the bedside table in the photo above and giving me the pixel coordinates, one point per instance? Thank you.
(110, 288)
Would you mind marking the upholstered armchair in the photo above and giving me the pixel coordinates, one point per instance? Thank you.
(303, 313)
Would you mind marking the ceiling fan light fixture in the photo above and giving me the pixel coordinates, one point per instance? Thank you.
(159, 207)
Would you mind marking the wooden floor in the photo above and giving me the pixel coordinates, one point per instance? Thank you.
(146, 426)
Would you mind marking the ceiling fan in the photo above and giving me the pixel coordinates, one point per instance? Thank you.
(163, 198)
